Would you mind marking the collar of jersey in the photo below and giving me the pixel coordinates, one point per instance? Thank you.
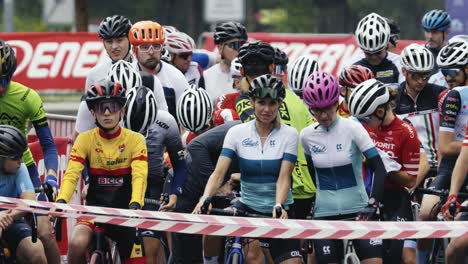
(110, 136)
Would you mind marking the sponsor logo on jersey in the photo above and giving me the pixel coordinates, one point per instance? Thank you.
(375, 242)
(318, 149)
(272, 143)
(162, 124)
(5, 119)
(121, 148)
(98, 150)
(339, 147)
(383, 74)
(452, 106)
(248, 142)
(384, 146)
(116, 161)
(326, 250)
(110, 181)
(284, 113)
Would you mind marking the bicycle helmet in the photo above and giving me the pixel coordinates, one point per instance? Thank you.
(321, 90)
(235, 68)
(267, 86)
(366, 97)
(124, 73)
(114, 27)
(353, 75)
(372, 33)
(301, 69)
(146, 32)
(229, 30)
(254, 51)
(13, 143)
(179, 42)
(416, 58)
(281, 58)
(394, 28)
(105, 90)
(169, 29)
(141, 110)
(7, 62)
(454, 55)
(194, 109)
(166, 55)
(436, 20)
(458, 38)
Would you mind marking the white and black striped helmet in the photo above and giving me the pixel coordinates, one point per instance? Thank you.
(141, 111)
(301, 69)
(124, 73)
(366, 97)
(194, 109)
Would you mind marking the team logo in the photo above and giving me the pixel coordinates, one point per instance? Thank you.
(121, 148)
(98, 150)
(326, 250)
(375, 242)
(339, 147)
(272, 143)
(248, 142)
(318, 149)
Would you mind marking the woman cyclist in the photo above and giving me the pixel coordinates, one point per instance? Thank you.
(334, 147)
(370, 101)
(266, 150)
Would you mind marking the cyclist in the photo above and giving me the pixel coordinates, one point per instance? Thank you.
(147, 38)
(349, 78)
(262, 140)
(281, 64)
(162, 133)
(16, 183)
(194, 112)
(124, 73)
(370, 100)
(334, 158)
(417, 101)
(455, 252)
(301, 69)
(229, 37)
(19, 106)
(372, 35)
(394, 34)
(436, 24)
(180, 47)
(120, 182)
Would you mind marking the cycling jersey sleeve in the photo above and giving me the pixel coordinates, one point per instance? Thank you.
(229, 146)
(244, 108)
(23, 181)
(139, 170)
(363, 141)
(75, 166)
(84, 119)
(159, 94)
(176, 152)
(410, 152)
(290, 152)
(451, 106)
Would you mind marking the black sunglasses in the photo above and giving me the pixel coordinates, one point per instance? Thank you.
(236, 45)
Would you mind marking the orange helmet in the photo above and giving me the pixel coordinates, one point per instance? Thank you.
(146, 32)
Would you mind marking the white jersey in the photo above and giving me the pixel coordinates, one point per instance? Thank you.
(218, 82)
(97, 73)
(193, 74)
(173, 83)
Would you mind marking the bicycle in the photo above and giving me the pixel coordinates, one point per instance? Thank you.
(439, 245)
(233, 250)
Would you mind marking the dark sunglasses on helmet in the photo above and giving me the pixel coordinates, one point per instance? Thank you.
(184, 55)
(265, 92)
(112, 107)
(452, 73)
(236, 45)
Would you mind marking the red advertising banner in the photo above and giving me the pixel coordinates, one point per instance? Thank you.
(332, 51)
(55, 60)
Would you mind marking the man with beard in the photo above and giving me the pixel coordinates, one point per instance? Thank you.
(436, 24)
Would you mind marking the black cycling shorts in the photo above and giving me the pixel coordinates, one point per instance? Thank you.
(15, 233)
(301, 208)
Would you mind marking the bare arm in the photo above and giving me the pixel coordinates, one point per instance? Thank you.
(283, 184)
(423, 170)
(447, 145)
(459, 171)
(403, 178)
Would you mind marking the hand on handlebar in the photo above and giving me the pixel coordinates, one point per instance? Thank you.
(203, 206)
(169, 205)
(51, 180)
(451, 207)
(370, 212)
(279, 212)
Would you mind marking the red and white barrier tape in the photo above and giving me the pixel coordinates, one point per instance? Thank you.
(243, 226)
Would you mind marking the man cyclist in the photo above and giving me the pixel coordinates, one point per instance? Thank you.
(162, 133)
(147, 38)
(19, 106)
(180, 47)
(436, 24)
(117, 165)
(16, 183)
(228, 37)
(372, 35)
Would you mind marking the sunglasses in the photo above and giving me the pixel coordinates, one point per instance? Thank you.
(236, 45)
(417, 76)
(452, 73)
(265, 92)
(327, 110)
(13, 157)
(112, 107)
(148, 47)
(184, 55)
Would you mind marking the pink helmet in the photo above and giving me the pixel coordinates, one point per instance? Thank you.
(321, 90)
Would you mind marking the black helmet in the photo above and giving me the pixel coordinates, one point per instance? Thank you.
(394, 28)
(105, 90)
(114, 26)
(12, 142)
(281, 58)
(7, 61)
(256, 50)
(141, 110)
(229, 30)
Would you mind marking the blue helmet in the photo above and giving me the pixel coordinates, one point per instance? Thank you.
(436, 20)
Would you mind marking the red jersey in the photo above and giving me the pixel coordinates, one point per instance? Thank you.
(465, 141)
(225, 109)
(400, 141)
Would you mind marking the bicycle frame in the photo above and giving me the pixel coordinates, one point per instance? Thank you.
(235, 254)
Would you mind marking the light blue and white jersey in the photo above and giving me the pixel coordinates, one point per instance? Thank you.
(15, 185)
(260, 165)
(336, 153)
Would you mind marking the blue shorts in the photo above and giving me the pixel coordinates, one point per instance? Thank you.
(18, 231)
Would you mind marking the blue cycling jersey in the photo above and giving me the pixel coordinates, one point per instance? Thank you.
(15, 185)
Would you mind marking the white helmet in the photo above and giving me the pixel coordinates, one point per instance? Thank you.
(372, 33)
(301, 69)
(454, 55)
(124, 73)
(416, 58)
(141, 110)
(169, 29)
(179, 42)
(235, 68)
(165, 55)
(366, 97)
(194, 109)
(458, 38)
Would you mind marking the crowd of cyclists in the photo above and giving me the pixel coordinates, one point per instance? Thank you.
(350, 147)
